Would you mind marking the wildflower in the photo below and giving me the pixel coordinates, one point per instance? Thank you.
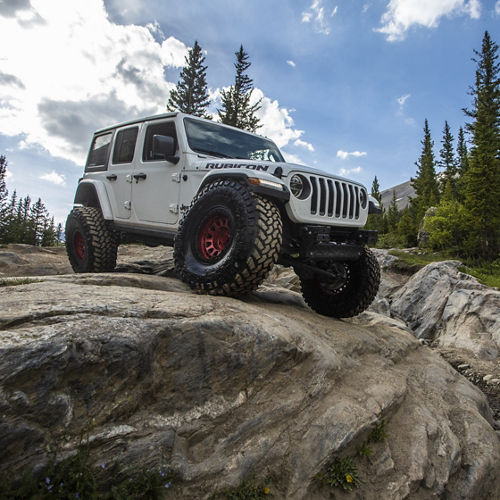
(348, 478)
(266, 491)
(77, 495)
(103, 466)
(47, 480)
(162, 474)
(168, 485)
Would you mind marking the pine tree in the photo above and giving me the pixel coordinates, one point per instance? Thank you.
(4, 193)
(482, 178)
(191, 94)
(462, 163)
(393, 213)
(376, 221)
(376, 190)
(425, 183)
(449, 176)
(38, 223)
(236, 108)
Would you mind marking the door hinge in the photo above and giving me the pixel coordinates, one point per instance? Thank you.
(174, 208)
(128, 205)
(176, 177)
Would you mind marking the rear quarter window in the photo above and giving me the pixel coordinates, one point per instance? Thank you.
(99, 151)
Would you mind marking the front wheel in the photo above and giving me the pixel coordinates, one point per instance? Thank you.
(228, 241)
(348, 295)
(90, 245)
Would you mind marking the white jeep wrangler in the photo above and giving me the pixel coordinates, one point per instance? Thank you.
(231, 207)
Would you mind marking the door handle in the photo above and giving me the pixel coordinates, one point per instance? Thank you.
(111, 177)
(137, 177)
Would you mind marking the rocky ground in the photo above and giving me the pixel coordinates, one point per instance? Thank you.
(148, 362)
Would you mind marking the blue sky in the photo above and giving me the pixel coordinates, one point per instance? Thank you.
(345, 85)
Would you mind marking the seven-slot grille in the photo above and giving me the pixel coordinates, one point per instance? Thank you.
(333, 198)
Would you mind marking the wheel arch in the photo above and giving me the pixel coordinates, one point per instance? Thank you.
(92, 193)
(280, 197)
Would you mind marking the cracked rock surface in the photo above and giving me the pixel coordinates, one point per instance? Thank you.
(222, 389)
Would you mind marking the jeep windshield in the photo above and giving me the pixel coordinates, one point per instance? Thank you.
(214, 140)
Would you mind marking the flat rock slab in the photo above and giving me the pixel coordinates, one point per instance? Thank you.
(222, 389)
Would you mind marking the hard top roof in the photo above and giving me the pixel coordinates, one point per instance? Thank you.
(138, 120)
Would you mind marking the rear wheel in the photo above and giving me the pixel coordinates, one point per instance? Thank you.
(90, 245)
(228, 241)
(350, 293)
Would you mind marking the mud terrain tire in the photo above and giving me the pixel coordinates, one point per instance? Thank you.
(228, 240)
(352, 297)
(90, 245)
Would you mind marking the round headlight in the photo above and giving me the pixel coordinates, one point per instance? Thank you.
(297, 185)
(363, 198)
(300, 186)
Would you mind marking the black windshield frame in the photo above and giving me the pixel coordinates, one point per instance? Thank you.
(213, 139)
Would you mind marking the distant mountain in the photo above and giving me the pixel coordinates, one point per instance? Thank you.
(403, 193)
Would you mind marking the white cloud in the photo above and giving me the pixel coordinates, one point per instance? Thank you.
(349, 171)
(402, 100)
(54, 178)
(291, 158)
(343, 155)
(291, 63)
(75, 71)
(315, 14)
(277, 124)
(155, 29)
(497, 8)
(303, 144)
(401, 15)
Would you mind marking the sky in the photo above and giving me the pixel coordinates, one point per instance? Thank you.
(345, 85)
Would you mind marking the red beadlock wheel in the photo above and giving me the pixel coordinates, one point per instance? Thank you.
(214, 236)
(79, 244)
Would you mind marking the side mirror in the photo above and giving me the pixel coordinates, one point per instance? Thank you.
(164, 148)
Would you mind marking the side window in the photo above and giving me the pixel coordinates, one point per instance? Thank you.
(125, 145)
(165, 128)
(99, 150)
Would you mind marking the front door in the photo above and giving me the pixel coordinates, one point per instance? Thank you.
(156, 182)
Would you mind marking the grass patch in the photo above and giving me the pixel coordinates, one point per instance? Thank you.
(76, 477)
(247, 490)
(341, 473)
(411, 262)
(488, 277)
(18, 281)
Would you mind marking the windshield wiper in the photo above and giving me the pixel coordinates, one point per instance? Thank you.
(213, 153)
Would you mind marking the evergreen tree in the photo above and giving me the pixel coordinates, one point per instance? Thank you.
(376, 221)
(393, 213)
(482, 178)
(462, 163)
(425, 183)
(407, 227)
(236, 108)
(462, 153)
(447, 162)
(191, 94)
(38, 223)
(22, 222)
(4, 206)
(376, 190)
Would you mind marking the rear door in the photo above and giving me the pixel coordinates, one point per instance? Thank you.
(119, 176)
